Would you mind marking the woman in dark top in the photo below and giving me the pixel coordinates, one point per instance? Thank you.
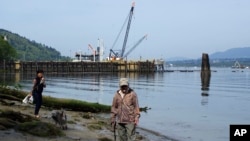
(39, 84)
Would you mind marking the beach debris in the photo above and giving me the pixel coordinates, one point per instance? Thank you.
(145, 109)
(60, 118)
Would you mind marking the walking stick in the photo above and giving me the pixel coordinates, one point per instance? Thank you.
(114, 126)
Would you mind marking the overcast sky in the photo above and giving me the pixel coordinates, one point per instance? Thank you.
(175, 28)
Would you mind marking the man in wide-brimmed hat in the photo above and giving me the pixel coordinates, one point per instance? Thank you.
(125, 112)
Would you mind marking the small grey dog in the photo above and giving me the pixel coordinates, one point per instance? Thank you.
(60, 118)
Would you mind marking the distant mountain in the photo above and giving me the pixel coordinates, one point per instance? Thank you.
(30, 50)
(234, 53)
(217, 59)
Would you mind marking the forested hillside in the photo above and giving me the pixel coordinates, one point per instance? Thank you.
(7, 52)
(31, 50)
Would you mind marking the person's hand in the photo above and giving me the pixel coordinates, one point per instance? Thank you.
(30, 94)
(136, 121)
(42, 80)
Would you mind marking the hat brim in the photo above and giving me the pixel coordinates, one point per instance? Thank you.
(124, 84)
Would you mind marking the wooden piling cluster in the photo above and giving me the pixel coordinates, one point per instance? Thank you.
(8, 66)
(78, 67)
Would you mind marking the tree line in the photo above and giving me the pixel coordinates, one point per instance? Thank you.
(16, 47)
(7, 52)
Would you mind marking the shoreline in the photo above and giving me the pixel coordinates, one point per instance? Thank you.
(79, 128)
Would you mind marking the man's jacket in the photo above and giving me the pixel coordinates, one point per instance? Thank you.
(126, 109)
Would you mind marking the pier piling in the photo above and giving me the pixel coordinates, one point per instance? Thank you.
(205, 74)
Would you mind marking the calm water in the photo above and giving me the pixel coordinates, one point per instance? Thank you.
(179, 107)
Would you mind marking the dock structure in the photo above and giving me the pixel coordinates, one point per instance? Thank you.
(79, 67)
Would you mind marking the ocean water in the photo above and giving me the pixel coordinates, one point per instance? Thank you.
(183, 106)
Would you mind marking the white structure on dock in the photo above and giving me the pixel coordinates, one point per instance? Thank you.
(159, 63)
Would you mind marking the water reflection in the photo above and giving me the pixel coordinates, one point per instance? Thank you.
(205, 82)
(17, 77)
(9, 79)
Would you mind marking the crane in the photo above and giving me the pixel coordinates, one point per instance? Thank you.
(126, 35)
(115, 53)
(93, 50)
(127, 31)
(145, 36)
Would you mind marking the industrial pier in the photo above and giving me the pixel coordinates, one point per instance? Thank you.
(79, 67)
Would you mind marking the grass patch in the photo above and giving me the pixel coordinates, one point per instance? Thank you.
(15, 116)
(6, 123)
(56, 103)
(74, 105)
(41, 129)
